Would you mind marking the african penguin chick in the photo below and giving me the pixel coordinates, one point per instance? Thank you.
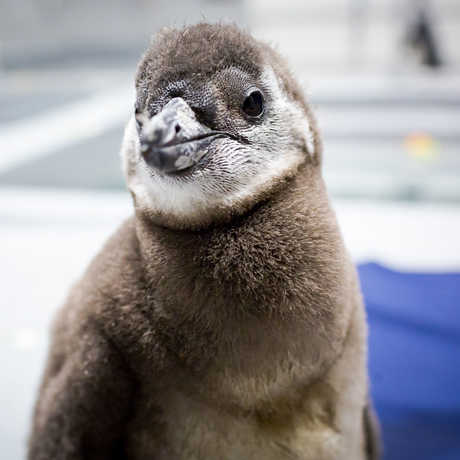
(224, 320)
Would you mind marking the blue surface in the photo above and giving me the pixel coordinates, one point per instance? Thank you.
(414, 361)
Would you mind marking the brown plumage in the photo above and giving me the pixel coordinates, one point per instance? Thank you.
(231, 330)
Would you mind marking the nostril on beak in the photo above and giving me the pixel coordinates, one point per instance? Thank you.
(157, 135)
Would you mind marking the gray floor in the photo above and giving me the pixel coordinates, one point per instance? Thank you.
(89, 164)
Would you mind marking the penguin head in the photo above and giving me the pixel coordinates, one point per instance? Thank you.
(218, 125)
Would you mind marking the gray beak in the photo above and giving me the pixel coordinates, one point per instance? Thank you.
(173, 140)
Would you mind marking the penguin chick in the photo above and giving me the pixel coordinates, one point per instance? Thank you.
(224, 320)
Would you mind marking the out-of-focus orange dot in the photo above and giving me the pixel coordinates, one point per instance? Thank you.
(421, 146)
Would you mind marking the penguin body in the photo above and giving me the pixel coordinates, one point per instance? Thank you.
(224, 320)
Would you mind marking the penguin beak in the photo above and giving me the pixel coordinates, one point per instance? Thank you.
(173, 140)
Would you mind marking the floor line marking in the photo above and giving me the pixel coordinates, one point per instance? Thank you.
(57, 128)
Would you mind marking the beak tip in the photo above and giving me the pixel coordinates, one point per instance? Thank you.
(161, 160)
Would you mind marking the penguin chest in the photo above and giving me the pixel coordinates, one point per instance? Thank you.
(191, 430)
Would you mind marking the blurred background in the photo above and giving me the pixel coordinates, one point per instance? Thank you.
(384, 77)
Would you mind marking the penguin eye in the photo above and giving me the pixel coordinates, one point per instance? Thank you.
(253, 105)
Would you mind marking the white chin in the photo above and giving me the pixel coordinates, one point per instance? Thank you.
(190, 197)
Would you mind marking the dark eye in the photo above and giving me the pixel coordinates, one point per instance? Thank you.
(253, 105)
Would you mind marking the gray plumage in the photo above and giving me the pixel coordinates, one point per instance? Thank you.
(223, 320)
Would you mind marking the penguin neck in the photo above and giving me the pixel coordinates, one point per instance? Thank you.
(282, 254)
(275, 282)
